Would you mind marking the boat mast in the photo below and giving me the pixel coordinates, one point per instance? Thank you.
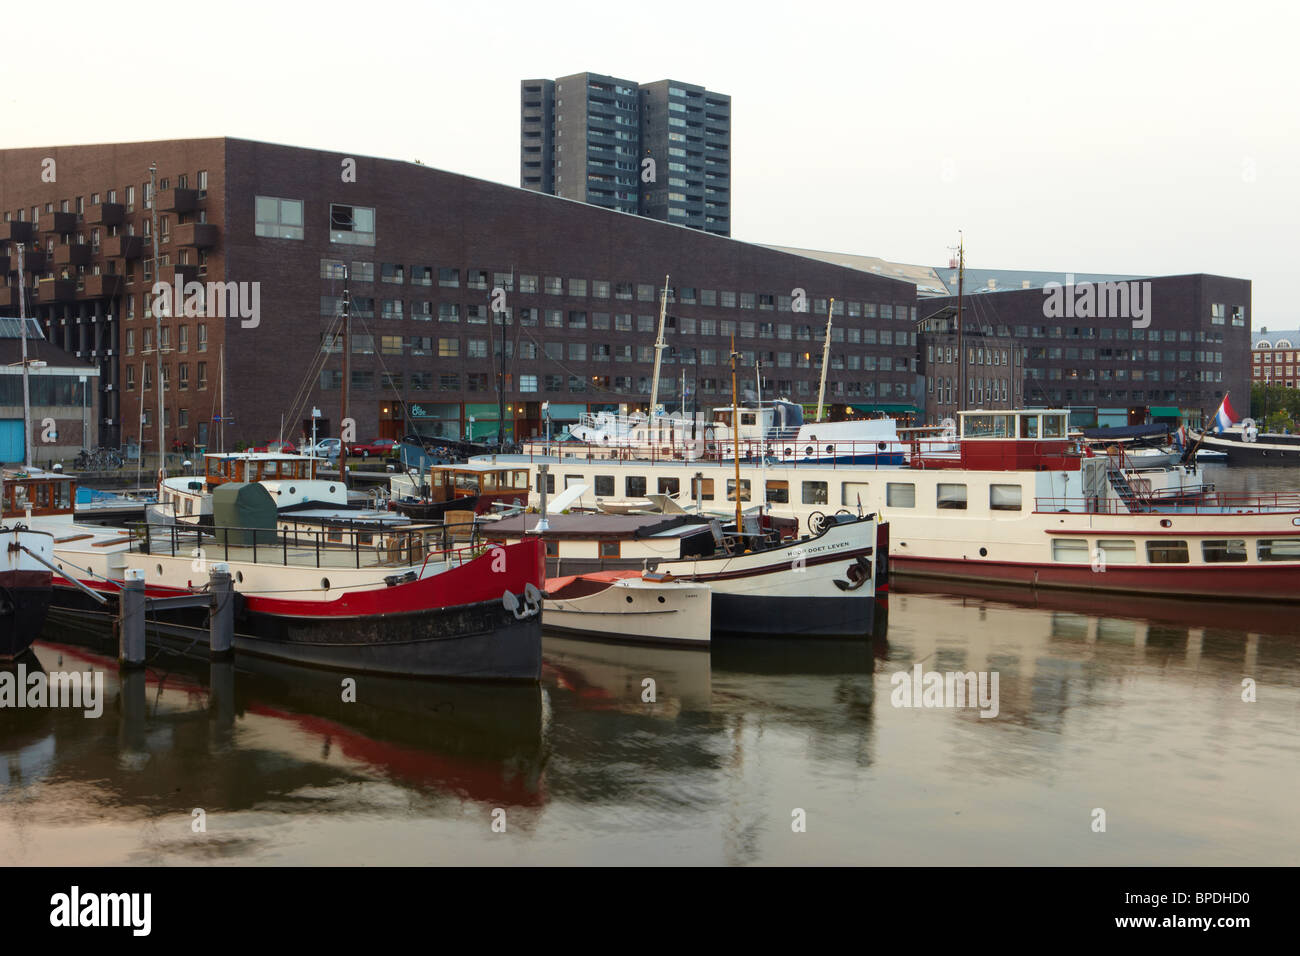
(659, 350)
(826, 358)
(27, 395)
(347, 373)
(961, 352)
(735, 427)
(762, 438)
(221, 425)
(157, 318)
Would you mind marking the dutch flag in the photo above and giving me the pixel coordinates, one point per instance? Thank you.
(1225, 417)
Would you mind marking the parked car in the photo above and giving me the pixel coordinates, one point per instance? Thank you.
(326, 448)
(278, 448)
(377, 448)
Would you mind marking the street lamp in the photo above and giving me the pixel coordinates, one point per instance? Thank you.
(84, 426)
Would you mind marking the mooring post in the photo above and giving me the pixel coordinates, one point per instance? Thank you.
(221, 633)
(131, 620)
(542, 523)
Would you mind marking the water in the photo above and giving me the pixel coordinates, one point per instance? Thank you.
(1129, 706)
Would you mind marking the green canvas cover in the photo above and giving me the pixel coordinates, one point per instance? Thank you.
(242, 512)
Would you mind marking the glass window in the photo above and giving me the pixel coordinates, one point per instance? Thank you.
(352, 225)
(1073, 550)
(1223, 550)
(951, 496)
(702, 488)
(778, 492)
(1167, 552)
(900, 494)
(815, 493)
(731, 489)
(634, 486)
(605, 486)
(1117, 552)
(1278, 549)
(1004, 497)
(278, 218)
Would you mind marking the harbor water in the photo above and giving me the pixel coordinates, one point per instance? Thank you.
(1127, 731)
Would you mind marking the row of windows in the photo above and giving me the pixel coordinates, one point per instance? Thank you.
(1213, 551)
(483, 279)
(1106, 333)
(182, 339)
(277, 218)
(78, 204)
(182, 376)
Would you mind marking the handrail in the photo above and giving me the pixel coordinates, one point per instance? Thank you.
(1170, 501)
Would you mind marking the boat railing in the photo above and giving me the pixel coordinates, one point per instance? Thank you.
(1195, 501)
(722, 450)
(341, 545)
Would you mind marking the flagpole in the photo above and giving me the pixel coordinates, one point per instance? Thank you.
(1191, 455)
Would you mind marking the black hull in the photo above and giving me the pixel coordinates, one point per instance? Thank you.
(23, 609)
(481, 641)
(790, 617)
(1260, 452)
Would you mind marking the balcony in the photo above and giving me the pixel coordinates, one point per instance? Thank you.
(60, 222)
(100, 286)
(9, 297)
(17, 231)
(73, 254)
(200, 235)
(177, 200)
(37, 260)
(5, 267)
(169, 273)
(123, 247)
(106, 214)
(56, 290)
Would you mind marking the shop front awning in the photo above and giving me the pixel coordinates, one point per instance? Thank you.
(1165, 411)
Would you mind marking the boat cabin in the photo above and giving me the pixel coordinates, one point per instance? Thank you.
(221, 468)
(40, 493)
(1031, 439)
(452, 483)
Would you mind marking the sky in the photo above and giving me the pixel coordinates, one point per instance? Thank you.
(1137, 137)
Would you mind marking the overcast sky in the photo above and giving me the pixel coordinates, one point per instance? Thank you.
(1129, 137)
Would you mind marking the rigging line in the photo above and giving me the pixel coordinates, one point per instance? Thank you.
(298, 405)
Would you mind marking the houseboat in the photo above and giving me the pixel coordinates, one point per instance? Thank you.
(291, 481)
(392, 603)
(763, 580)
(25, 564)
(1019, 502)
(1243, 444)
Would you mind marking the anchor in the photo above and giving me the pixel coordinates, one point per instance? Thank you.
(859, 573)
(530, 606)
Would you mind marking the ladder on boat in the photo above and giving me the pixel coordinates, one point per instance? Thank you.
(1123, 488)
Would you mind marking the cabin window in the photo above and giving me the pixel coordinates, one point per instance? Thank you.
(900, 494)
(1278, 549)
(1028, 426)
(778, 492)
(702, 488)
(747, 418)
(490, 481)
(467, 483)
(978, 426)
(550, 483)
(605, 486)
(669, 486)
(1053, 426)
(634, 486)
(609, 549)
(1004, 497)
(552, 548)
(1070, 550)
(815, 493)
(1223, 550)
(1117, 552)
(852, 493)
(518, 480)
(1167, 552)
(731, 489)
(950, 496)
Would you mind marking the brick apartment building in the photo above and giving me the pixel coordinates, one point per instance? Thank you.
(424, 251)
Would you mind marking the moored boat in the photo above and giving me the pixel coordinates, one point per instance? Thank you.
(630, 606)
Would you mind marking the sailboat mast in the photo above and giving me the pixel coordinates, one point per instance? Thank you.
(961, 352)
(735, 427)
(659, 349)
(221, 424)
(826, 358)
(157, 318)
(27, 395)
(347, 375)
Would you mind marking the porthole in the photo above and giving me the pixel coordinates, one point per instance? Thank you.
(293, 490)
(830, 449)
(324, 584)
(1166, 523)
(159, 569)
(331, 489)
(808, 450)
(661, 599)
(984, 552)
(628, 599)
(789, 452)
(239, 577)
